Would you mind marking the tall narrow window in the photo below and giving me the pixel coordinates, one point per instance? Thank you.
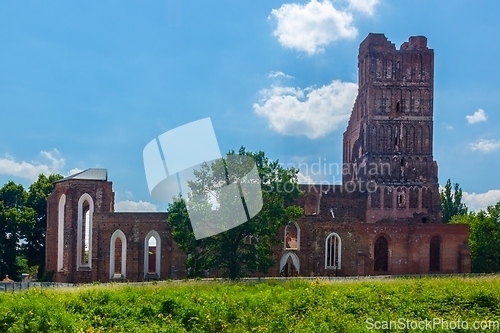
(381, 255)
(118, 255)
(60, 233)
(152, 255)
(435, 255)
(292, 236)
(84, 231)
(333, 250)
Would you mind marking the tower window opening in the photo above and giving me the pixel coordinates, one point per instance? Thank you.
(397, 107)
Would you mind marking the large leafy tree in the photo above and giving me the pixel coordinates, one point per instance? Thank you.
(451, 201)
(34, 236)
(247, 247)
(484, 238)
(14, 217)
(23, 222)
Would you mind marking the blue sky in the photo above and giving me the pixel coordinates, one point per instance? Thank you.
(88, 84)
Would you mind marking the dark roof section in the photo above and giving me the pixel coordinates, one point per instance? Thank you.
(89, 174)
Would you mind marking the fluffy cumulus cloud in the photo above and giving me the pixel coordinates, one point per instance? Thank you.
(310, 112)
(477, 117)
(304, 179)
(310, 27)
(52, 162)
(478, 201)
(74, 171)
(135, 206)
(365, 6)
(485, 146)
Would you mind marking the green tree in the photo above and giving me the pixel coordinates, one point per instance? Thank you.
(451, 201)
(484, 238)
(23, 222)
(247, 247)
(34, 236)
(13, 218)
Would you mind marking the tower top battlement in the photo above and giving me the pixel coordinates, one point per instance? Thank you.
(379, 42)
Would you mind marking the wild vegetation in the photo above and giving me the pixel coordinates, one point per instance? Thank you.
(271, 306)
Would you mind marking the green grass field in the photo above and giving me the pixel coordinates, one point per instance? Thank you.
(459, 304)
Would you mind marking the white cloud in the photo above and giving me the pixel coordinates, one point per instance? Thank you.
(477, 117)
(304, 179)
(74, 171)
(311, 112)
(365, 6)
(135, 206)
(476, 202)
(30, 170)
(485, 146)
(279, 75)
(309, 28)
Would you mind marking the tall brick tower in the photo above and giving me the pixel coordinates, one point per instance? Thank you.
(388, 140)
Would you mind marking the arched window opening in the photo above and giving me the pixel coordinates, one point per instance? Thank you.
(118, 255)
(152, 255)
(333, 250)
(60, 233)
(435, 254)
(84, 232)
(381, 255)
(292, 236)
(289, 265)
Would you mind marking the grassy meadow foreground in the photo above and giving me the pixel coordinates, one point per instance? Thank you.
(458, 303)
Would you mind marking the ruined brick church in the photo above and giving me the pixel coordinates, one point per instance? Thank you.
(385, 218)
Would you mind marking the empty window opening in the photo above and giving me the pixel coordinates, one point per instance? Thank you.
(84, 232)
(397, 107)
(292, 236)
(424, 219)
(333, 248)
(381, 255)
(85, 250)
(152, 255)
(60, 233)
(289, 264)
(435, 254)
(402, 161)
(401, 200)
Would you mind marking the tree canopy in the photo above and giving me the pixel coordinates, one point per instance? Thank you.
(451, 201)
(484, 238)
(23, 222)
(247, 247)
